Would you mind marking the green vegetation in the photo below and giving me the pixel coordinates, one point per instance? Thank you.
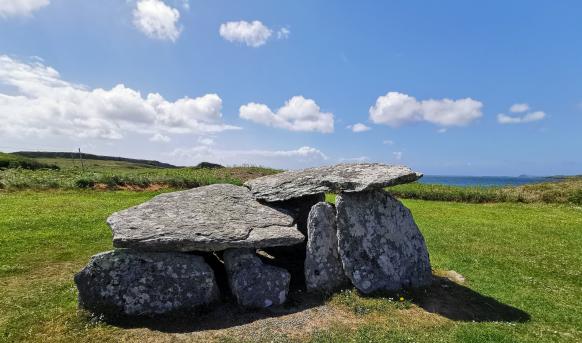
(12, 161)
(567, 190)
(117, 174)
(526, 256)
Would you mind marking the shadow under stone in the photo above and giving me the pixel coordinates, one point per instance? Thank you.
(217, 316)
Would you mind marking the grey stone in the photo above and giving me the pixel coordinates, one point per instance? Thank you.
(129, 283)
(208, 218)
(253, 283)
(323, 267)
(379, 243)
(354, 177)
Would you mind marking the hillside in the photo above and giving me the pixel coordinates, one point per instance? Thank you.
(69, 159)
(9, 161)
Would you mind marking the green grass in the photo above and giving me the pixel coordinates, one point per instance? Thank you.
(567, 190)
(523, 255)
(119, 174)
(11, 161)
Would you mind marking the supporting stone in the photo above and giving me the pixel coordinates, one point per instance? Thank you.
(130, 283)
(253, 283)
(323, 268)
(380, 246)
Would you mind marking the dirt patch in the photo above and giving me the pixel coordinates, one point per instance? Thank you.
(149, 188)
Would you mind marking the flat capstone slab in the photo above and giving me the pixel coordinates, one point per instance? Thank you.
(380, 246)
(354, 177)
(123, 283)
(209, 218)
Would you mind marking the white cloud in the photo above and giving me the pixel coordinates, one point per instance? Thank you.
(397, 155)
(359, 127)
(283, 33)
(18, 8)
(396, 109)
(388, 142)
(298, 114)
(253, 34)
(528, 118)
(158, 137)
(303, 155)
(206, 140)
(157, 20)
(519, 108)
(35, 100)
(442, 130)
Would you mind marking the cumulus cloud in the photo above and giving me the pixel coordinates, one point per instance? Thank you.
(503, 118)
(359, 127)
(253, 34)
(519, 108)
(397, 155)
(19, 8)
(388, 142)
(527, 118)
(396, 109)
(298, 114)
(157, 20)
(35, 100)
(303, 155)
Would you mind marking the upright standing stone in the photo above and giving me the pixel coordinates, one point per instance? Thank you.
(131, 283)
(253, 283)
(380, 245)
(323, 267)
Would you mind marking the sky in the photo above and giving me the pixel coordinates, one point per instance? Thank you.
(447, 87)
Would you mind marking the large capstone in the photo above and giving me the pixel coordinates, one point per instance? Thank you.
(355, 177)
(323, 267)
(253, 283)
(208, 218)
(380, 246)
(129, 283)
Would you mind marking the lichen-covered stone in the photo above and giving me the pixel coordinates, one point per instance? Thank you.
(253, 283)
(208, 218)
(354, 177)
(129, 283)
(323, 267)
(380, 246)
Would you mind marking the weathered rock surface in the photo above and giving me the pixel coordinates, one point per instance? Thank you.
(380, 246)
(129, 283)
(208, 218)
(323, 267)
(355, 177)
(253, 283)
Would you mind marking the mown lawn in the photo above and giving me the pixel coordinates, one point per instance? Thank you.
(526, 257)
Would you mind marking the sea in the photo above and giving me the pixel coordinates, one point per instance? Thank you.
(483, 181)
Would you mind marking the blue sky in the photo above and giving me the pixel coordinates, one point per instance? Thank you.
(431, 84)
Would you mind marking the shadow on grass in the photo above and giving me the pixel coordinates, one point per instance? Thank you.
(457, 302)
(443, 297)
(220, 316)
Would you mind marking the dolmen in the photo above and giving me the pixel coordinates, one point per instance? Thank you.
(170, 250)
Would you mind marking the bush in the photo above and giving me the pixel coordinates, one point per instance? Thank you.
(84, 183)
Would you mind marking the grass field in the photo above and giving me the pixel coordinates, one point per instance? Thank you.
(108, 174)
(565, 190)
(521, 263)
